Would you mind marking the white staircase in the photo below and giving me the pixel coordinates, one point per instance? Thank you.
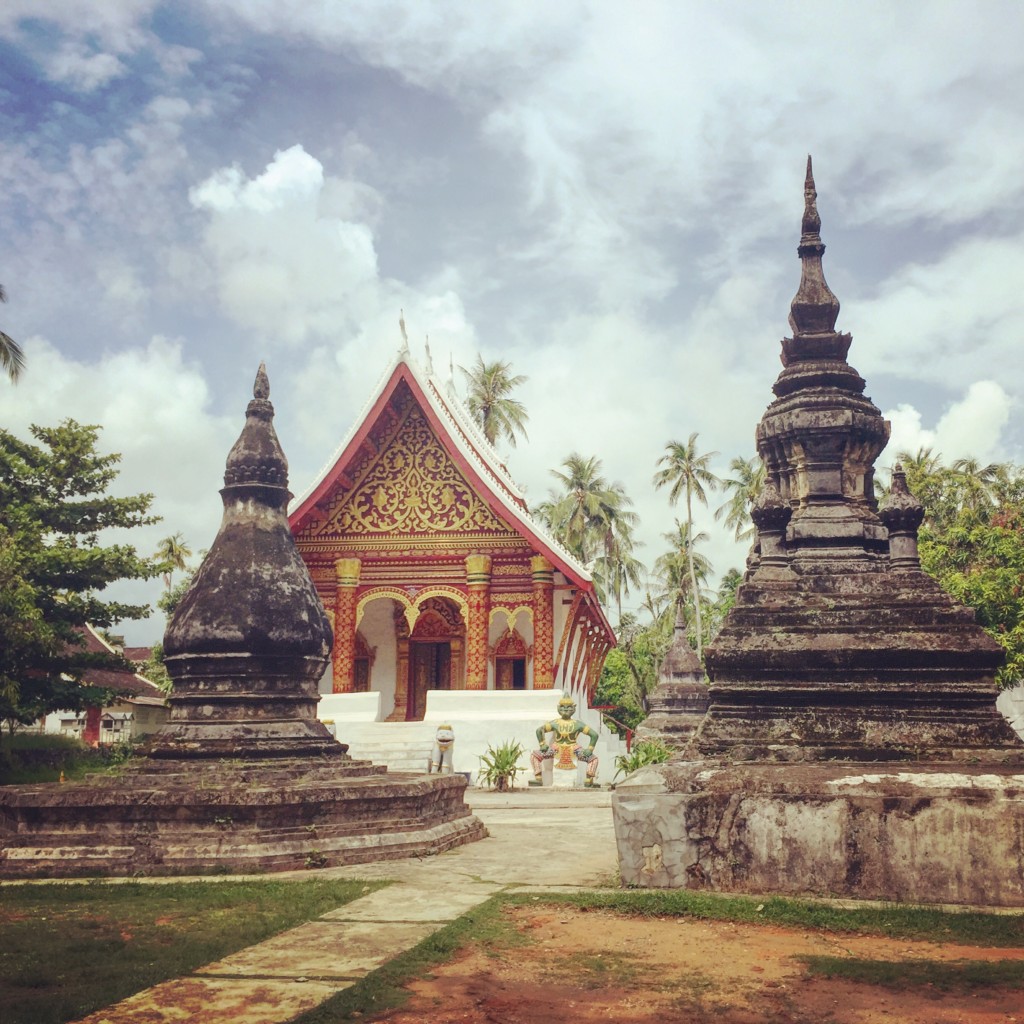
(402, 746)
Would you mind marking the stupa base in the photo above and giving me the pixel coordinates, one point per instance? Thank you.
(916, 833)
(230, 816)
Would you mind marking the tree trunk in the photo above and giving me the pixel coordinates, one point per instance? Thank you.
(693, 574)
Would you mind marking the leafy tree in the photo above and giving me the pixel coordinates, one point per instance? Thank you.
(12, 358)
(631, 669)
(53, 568)
(687, 473)
(154, 669)
(489, 388)
(972, 542)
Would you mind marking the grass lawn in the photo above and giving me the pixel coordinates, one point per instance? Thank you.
(67, 949)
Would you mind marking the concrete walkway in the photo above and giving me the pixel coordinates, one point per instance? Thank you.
(545, 839)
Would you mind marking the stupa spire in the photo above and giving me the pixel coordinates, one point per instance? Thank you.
(814, 309)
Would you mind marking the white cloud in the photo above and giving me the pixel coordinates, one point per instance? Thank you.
(282, 267)
(972, 426)
(945, 320)
(74, 65)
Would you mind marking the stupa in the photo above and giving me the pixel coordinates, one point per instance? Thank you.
(677, 705)
(243, 777)
(852, 745)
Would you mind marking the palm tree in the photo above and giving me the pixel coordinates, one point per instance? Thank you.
(743, 487)
(12, 358)
(979, 482)
(174, 552)
(924, 462)
(617, 570)
(672, 571)
(685, 471)
(489, 386)
(594, 520)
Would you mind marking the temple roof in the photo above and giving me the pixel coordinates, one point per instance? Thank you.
(124, 682)
(464, 442)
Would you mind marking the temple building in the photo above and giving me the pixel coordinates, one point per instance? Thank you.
(430, 565)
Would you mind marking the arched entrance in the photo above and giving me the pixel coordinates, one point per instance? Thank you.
(434, 652)
(510, 655)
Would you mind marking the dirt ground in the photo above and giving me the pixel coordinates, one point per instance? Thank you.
(579, 967)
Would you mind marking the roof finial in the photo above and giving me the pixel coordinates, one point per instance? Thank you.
(430, 362)
(814, 309)
(261, 386)
(403, 351)
(451, 374)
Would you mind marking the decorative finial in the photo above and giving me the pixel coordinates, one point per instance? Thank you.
(814, 309)
(451, 374)
(430, 362)
(771, 512)
(403, 351)
(902, 514)
(811, 225)
(261, 387)
(256, 458)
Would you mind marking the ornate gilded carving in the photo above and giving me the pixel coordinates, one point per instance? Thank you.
(443, 609)
(478, 583)
(543, 623)
(346, 570)
(412, 487)
(510, 612)
(510, 645)
(405, 605)
(343, 653)
(511, 570)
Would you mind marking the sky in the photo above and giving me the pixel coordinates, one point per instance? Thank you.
(606, 195)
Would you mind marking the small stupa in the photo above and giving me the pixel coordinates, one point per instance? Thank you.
(243, 777)
(852, 746)
(677, 705)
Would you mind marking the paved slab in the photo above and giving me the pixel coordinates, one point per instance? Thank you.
(538, 838)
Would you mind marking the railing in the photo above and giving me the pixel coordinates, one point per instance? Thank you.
(604, 708)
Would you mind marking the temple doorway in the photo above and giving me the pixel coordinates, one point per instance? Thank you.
(430, 668)
(510, 657)
(433, 656)
(510, 673)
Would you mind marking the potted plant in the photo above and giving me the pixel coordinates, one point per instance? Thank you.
(500, 765)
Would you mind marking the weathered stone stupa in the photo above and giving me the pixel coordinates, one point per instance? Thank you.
(677, 705)
(243, 777)
(249, 641)
(852, 745)
(839, 645)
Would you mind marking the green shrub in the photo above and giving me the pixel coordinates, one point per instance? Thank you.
(644, 752)
(38, 757)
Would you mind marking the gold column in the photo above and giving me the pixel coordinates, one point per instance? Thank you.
(543, 623)
(343, 656)
(478, 583)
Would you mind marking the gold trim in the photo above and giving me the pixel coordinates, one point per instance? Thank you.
(510, 613)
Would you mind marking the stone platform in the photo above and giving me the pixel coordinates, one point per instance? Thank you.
(933, 833)
(177, 817)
